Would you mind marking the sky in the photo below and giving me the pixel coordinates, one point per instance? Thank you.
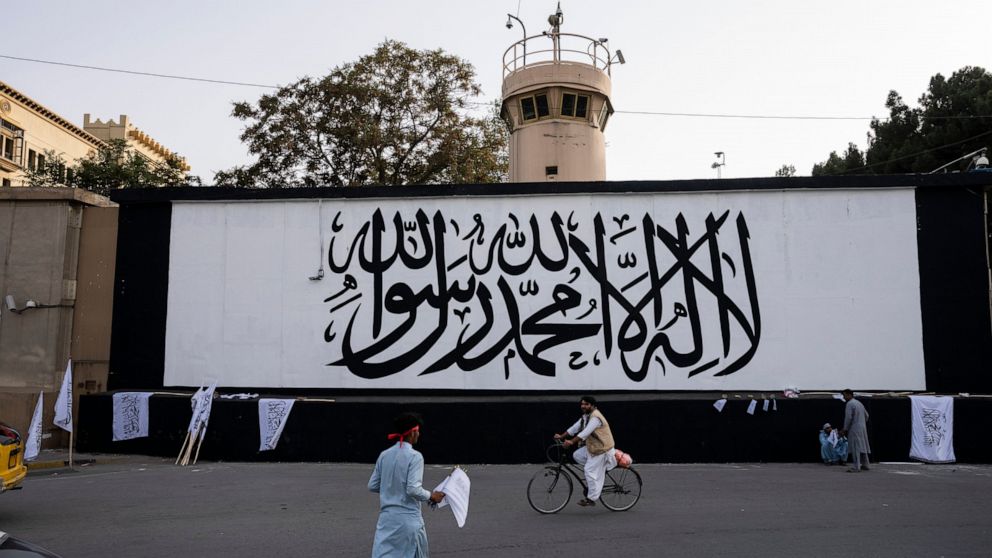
(767, 58)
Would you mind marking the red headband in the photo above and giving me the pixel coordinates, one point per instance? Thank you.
(402, 436)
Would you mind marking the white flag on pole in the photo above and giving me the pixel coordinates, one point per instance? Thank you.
(272, 415)
(457, 488)
(201, 401)
(33, 445)
(63, 405)
(130, 415)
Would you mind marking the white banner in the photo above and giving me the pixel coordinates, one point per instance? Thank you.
(63, 404)
(33, 444)
(130, 415)
(272, 416)
(669, 291)
(933, 429)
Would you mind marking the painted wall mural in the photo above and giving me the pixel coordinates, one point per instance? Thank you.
(758, 290)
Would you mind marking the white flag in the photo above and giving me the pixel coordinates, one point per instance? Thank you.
(130, 415)
(272, 415)
(194, 421)
(933, 429)
(751, 406)
(457, 488)
(33, 444)
(63, 405)
(718, 405)
(202, 401)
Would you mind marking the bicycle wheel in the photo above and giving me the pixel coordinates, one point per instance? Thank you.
(621, 490)
(549, 490)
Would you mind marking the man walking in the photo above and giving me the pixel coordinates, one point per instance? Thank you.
(856, 430)
(596, 455)
(398, 479)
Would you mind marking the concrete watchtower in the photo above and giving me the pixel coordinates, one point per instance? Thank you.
(556, 101)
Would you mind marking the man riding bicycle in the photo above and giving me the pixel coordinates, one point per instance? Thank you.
(592, 433)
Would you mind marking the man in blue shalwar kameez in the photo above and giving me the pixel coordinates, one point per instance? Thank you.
(833, 448)
(398, 479)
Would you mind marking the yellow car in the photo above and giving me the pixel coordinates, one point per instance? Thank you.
(12, 469)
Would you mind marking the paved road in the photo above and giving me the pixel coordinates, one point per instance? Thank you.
(146, 507)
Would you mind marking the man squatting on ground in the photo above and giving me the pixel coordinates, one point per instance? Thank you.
(596, 455)
(398, 478)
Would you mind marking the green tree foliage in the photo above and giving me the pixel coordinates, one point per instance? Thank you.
(111, 167)
(396, 116)
(953, 118)
(786, 171)
(852, 159)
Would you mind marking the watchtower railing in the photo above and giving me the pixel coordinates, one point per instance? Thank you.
(559, 48)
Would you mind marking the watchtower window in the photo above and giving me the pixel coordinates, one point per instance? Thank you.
(574, 105)
(533, 107)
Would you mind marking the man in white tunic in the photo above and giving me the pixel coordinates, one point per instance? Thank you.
(398, 478)
(596, 455)
(856, 430)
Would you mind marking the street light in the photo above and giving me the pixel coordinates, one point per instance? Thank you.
(509, 25)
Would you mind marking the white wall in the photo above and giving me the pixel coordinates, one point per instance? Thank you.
(834, 277)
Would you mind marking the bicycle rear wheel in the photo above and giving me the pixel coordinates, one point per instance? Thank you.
(549, 490)
(621, 490)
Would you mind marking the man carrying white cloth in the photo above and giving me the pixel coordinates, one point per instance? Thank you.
(596, 454)
(398, 478)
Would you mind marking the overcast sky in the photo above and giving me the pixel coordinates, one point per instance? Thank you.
(777, 57)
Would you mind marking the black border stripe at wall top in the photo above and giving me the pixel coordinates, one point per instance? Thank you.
(204, 193)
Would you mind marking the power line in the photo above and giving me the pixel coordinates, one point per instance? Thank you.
(489, 104)
(133, 72)
(751, 116)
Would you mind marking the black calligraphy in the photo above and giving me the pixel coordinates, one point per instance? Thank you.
(548, 293)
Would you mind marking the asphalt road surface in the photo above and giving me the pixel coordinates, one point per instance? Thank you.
(147, 507)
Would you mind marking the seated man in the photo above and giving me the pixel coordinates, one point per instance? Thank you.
(833, 448)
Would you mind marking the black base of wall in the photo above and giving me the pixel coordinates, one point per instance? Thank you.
(517, 429)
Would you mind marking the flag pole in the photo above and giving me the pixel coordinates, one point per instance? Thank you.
(182, 448)
(70, 449)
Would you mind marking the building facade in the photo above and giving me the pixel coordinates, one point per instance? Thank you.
(30, 133)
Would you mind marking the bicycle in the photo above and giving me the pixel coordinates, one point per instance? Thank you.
(550, 489)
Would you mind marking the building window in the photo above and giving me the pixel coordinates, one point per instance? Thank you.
(32, 159)
(6, 183)
(10, 137)
(574, 105)
(41, 162)
(604, 115)
(534, 107)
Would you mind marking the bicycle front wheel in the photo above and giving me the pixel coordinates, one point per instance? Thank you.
(621, 490)
(549, 490)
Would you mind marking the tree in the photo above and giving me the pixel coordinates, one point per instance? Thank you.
(113, 166)
(396, 116)
(786, 171)
(954, 118)
(852, 159)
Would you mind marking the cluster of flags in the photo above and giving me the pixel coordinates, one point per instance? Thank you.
(130, 411)
(63, 416)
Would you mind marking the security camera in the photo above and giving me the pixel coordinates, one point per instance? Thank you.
(718, 153)
(509, 24)
(620, 57)
(10, 303)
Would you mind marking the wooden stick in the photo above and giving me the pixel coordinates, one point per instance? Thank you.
(70, 449)
(197, 456)
(189, 449)
(182, 448)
